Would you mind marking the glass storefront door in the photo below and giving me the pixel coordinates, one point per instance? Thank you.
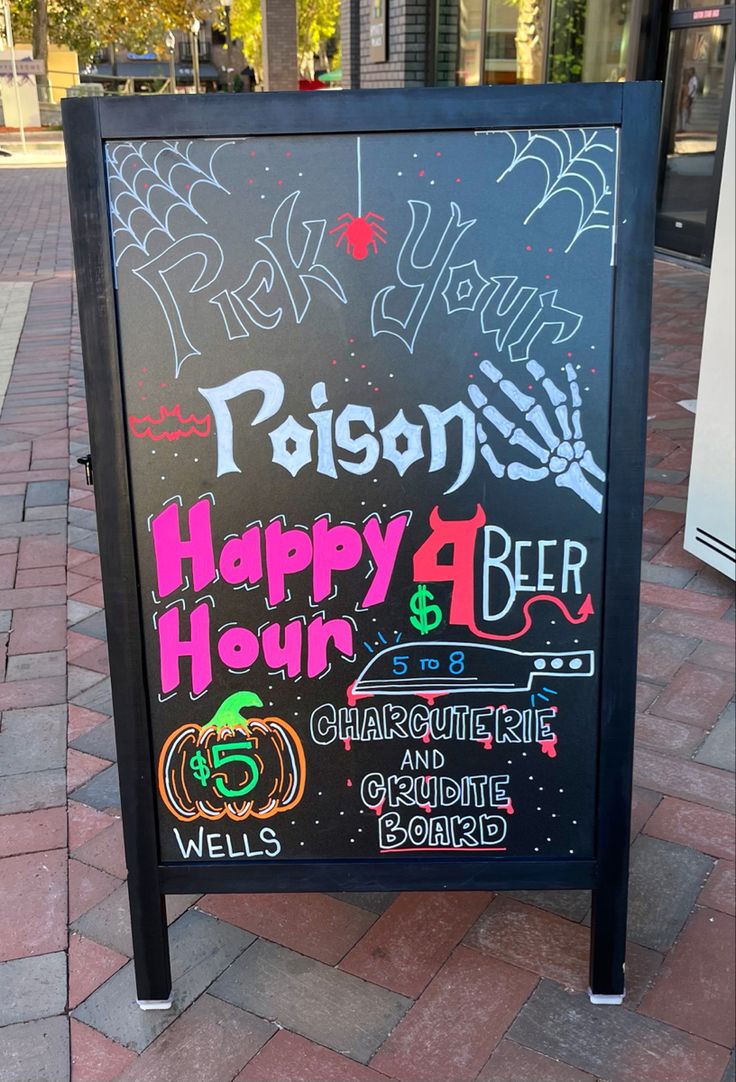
(695, 106)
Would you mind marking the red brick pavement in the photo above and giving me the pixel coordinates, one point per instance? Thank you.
(493, 992)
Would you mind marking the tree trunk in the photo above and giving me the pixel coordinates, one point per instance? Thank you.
(40, 45)
(529, 35)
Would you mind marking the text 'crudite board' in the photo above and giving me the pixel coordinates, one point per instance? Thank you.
(367, 386)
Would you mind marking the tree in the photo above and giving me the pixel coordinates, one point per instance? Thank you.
(317, 22)
(245, 23)
(567, 41)
(89, 25)
(529, 40)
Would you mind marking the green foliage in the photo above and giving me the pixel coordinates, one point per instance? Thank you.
(88, 25)
(245, 23)
(317, 22)
(567, 41)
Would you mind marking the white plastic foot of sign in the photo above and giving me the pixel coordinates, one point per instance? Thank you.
(154, 1004)
(605, 1001)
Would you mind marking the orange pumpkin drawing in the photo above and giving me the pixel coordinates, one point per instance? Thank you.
(232, 767)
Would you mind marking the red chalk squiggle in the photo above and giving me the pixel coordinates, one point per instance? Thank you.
(548, 746)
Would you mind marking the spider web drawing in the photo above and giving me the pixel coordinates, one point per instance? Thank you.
(150, 186)
(574, 161)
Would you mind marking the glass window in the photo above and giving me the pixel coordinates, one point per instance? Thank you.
(695, 88)
(470, 33)
(589, 41)
(687, 5)
(515, 41)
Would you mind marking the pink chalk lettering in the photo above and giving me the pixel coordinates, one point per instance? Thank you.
(171, 550)
(240, 559)
(336, 548)
(384, 550)
(172, 647)
(287, 654)
(238, 648)
(319, 635)
(287, 552)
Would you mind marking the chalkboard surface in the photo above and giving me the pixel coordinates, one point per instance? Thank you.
(367, 389)
(366, 379)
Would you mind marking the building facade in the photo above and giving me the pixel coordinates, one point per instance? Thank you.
(686, 44)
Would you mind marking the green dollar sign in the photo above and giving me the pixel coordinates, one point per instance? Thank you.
(426, 617)
(199, 767)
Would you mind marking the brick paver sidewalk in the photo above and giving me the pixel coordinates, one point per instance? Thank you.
(349, 988)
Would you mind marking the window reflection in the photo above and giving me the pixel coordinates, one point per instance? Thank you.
(530, 17)
(469, 45)
(598, 56)
(504, 41)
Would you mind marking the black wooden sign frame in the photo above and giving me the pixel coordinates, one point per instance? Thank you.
(634, 110)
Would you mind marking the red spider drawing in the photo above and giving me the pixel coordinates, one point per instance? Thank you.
(359, 233)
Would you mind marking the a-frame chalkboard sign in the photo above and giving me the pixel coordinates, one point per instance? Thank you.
(366, 376)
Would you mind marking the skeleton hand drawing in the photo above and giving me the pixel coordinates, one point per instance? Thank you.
(564, 456)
